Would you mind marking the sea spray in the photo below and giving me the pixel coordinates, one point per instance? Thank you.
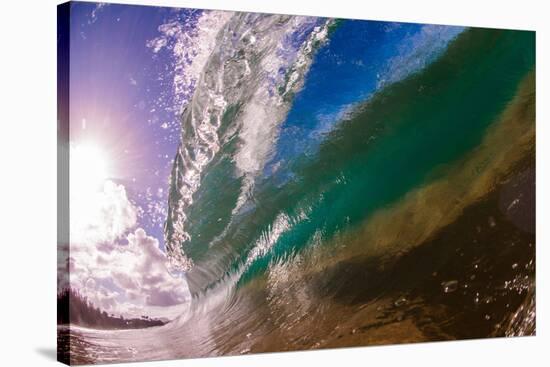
(253, 69)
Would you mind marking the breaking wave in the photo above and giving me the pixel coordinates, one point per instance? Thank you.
(255, 64)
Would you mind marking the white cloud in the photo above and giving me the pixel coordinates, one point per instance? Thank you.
(102, 216)
(128, 277)
(118, 268)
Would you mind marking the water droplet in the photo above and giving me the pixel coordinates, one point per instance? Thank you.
(450, 286)
(400, 302)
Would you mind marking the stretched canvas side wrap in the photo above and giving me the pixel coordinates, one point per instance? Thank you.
(234, 183)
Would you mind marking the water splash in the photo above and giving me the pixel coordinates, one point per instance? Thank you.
(257, 66)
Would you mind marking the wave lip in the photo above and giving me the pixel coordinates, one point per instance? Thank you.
(257, 64)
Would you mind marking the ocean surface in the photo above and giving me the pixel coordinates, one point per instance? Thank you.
(348, 183)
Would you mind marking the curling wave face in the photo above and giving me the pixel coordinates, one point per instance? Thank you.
(255, 88)
(241, 96)
(336, 186)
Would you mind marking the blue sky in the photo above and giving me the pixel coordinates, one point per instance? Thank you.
(122, 97)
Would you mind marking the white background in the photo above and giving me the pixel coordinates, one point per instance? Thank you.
(28, 181)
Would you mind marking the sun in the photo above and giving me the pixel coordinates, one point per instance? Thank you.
(89, 178)
(88, 169)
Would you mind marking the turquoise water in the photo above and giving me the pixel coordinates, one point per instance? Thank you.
(394, 137)
(385, 109)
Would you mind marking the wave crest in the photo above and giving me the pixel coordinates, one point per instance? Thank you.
(256, 65)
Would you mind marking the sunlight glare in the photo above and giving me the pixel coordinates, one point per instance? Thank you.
(88, 169)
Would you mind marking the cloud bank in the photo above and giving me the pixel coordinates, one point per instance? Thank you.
(115, 265)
